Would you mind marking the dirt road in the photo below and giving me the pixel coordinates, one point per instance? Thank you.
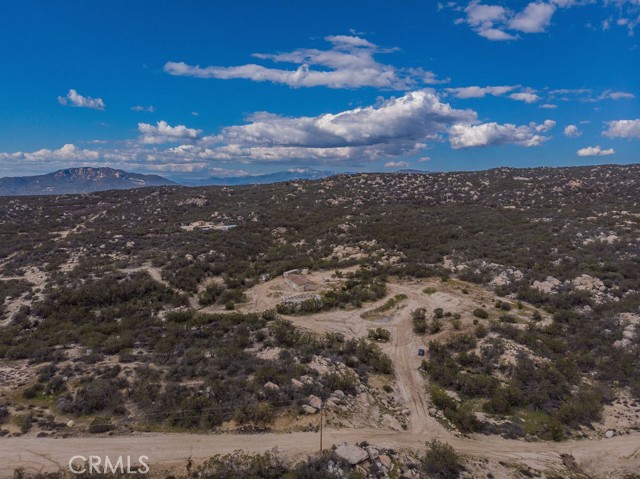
(167, 450)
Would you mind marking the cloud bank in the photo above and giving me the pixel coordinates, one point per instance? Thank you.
(389, 130)
(349, 63)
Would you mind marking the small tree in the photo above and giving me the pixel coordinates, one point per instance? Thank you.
(419, 314)
(441, 461)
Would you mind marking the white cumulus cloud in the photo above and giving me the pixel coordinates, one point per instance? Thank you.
(165, 133)
(73, 98)
(572, 131)
(525, 96)
(535, 18)
(629, 129)
(494, 134)
(595, 151)
(393, 127)
(499, 22)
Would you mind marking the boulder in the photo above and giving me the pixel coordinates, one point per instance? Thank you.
(338, 393)
(385, 461)
(373, 453)
(296, 384)
(547, 286)
(391, 422)
(272, 386)
(315, 401)
(309, 410)
(351, 453)
(331, 404)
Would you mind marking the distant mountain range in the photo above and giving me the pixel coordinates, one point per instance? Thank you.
(78, 180)
(277, 177)
(409, 171)
(87, 180)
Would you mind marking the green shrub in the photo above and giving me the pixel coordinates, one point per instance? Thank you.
(480, 313)
(419, 326)
(95, 396)
(259, 413)
(583, 408)
(390, 303)
(345, 382)
(4, 414)
(441, 461)
(100, 425)
(242, 466)
(23, 421)
(441, 399)
(379, 334)
(435, 326)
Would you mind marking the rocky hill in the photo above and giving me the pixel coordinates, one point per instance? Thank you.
(77, 180)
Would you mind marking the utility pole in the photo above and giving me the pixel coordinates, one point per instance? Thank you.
(321, 423)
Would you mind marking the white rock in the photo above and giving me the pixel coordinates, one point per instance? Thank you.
(309, 409)
(609, 434)
(351, 453)
(391, 422)
(373, 453)
(547, 286)
(315, 401)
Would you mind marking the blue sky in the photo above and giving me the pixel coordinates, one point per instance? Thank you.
(196, 88)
